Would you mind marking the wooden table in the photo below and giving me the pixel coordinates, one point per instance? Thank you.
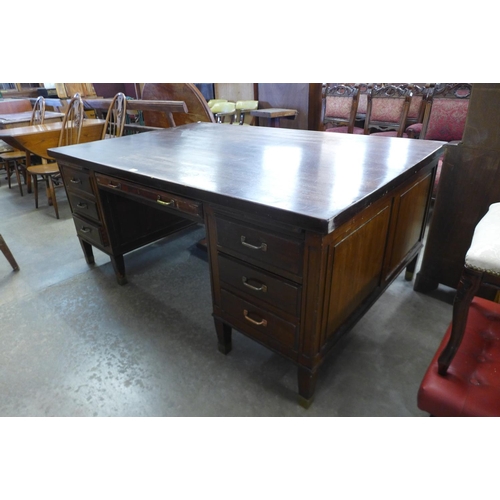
(305, 229)
(36, 139)
(23, 119)
(274, 115)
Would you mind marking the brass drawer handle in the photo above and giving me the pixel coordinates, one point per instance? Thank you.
(74, 180)
(84, 229)
(81, 205)
(258, 323)
(164, 203)
(114, 186)
(263, 246)
(262, 288)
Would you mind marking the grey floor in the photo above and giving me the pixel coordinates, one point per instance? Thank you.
(75, 343)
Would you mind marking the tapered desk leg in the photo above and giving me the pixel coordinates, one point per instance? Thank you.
(119, 266)
(87, 251)
(224, 334)
(307, 385)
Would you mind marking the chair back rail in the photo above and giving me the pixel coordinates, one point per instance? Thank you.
(340, 106)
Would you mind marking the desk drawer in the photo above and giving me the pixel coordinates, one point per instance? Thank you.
(260, 245)
(269, 288)
(93, 233)
(169, 201)
(259, 322)
(77, 180)
(83, 206)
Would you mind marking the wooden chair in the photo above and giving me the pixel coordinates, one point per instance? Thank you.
(444, 114)
(243, 109)
(18, 158)
(70, 134)
(115, 117)
(420, 95)
(463, 378)
(387, 110)
(444, 117)
(340, 106)
(198, 109)
(223, 110)
(8, 254)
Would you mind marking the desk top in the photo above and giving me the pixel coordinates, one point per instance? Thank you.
(313, 180)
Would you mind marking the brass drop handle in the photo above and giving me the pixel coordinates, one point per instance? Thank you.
(164, 203)
(81, 205)
(74, 180)
(263, 322)
(114, 186)
(263, 246)
(262, 288)
(84, 229)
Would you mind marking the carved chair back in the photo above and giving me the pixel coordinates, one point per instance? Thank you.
(420, 95)
(340, 106)
(38, 114)
(388, 108)
(115, 117)
(72, 122)
(446, 112)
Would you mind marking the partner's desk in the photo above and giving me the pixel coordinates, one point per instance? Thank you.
(305, 229)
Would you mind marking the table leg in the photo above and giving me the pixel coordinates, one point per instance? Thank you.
(307, 385)
(87, 251)
(410, 268)
(224, 333)
(119, 266)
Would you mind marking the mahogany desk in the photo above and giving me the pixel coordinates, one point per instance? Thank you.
(305, 229)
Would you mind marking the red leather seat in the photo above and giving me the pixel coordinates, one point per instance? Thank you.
(471, 385)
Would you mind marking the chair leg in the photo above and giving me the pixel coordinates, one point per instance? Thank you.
(35, 186)
(8, 254)
(53, 195)
(469, 284)
(18, 177)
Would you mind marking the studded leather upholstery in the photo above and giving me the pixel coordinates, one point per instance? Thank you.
(471, 386)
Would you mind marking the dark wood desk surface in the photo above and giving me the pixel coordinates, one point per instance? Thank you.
(312, 179)
(305, 230)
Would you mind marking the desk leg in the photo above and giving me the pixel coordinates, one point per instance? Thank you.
(87, 251)
(410, 269)
(119, 266)
(223, 336)
(307, 385)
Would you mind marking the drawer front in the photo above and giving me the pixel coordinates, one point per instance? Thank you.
(282, 294)
(93, 233)
(268, 248)
(258, 322)
(77, 180)
(83, 206)
(170, 202)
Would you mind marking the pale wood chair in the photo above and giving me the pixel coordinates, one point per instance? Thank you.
(15, 161)
(70, 134)
(8, 254)
(115, 117)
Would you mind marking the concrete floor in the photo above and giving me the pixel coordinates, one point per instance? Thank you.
(75, 343)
